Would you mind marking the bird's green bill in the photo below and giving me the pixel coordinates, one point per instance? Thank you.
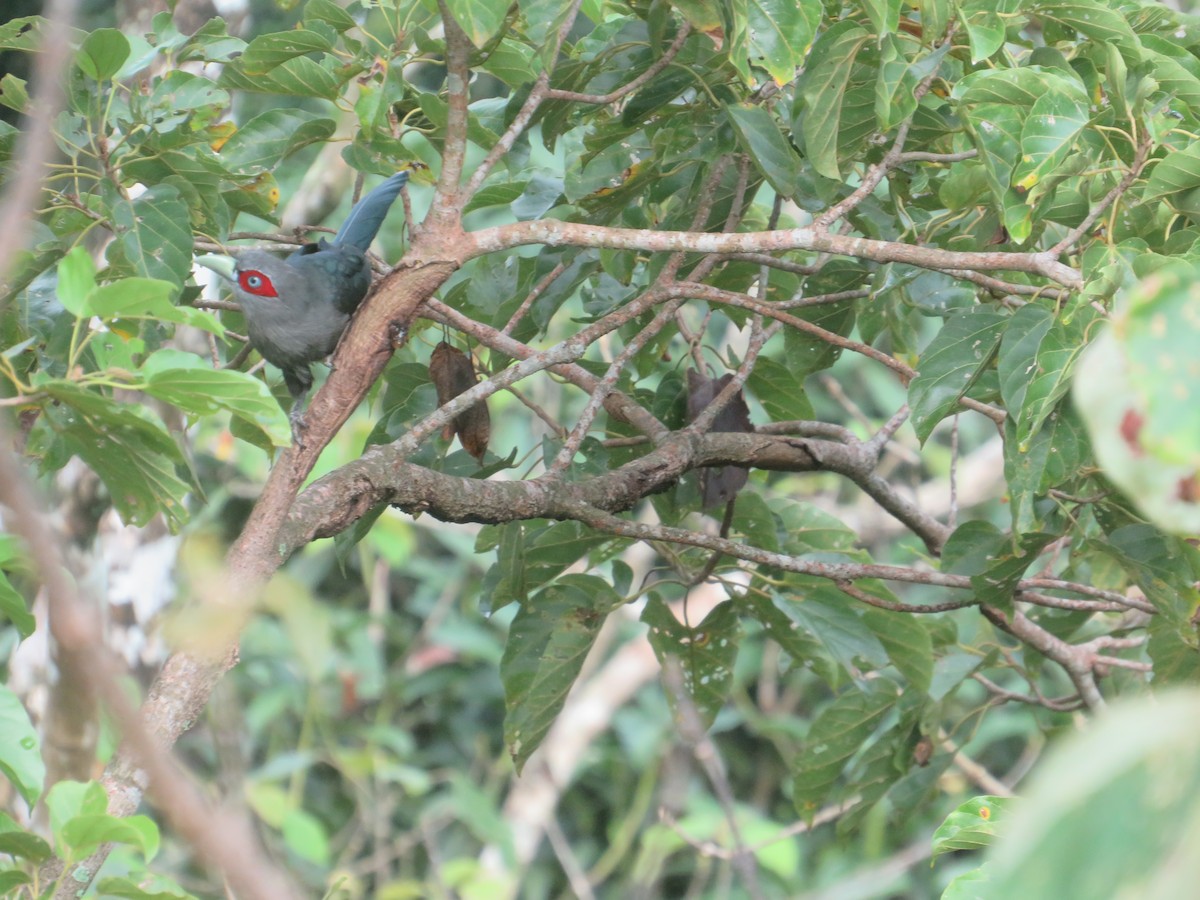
(225, 266)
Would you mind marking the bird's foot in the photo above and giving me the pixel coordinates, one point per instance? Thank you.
(299, 426)
(397, 335)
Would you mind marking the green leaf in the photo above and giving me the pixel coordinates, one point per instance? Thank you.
(804, 649)
(985, 33)
(973, 825)
(298, 77)
(1049, 136)
(989, 557)
(828, 616)
(85, 833)
(185, 380)
(480, 19)
(305, 836)
(1037, 356)
(837, 734)
(13, 608)
(907, 642)
(20, 754)
(13, 92)
(760, 137)
(134, 457)
(780, 33)
(270, 136)
(269, 51)
(826, 79)
(547, 643)
(1138, 401)
(951, 363)
(15, 841)
(705, 653)
(147, 298)
(76, 281)
(1176, 173)
(1100, 22)
(68, 799)
(154, 235)
(25, 34)
(130, 890)
(894, 97)
(13, 878)
(102, 53)
(779, 391)
(884, 16)
(1047, 459)
(330, 13)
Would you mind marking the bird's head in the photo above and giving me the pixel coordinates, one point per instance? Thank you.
(252, 272)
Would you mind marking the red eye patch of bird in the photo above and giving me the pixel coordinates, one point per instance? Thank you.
(255, 282)
(453, 372)
(718, 485)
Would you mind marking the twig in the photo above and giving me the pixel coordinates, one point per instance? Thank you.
(612, 96)
(1140, 157)
(536, 291)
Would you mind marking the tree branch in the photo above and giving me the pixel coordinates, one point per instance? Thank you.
(555, 233)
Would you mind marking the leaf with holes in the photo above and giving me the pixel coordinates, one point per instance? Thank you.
(705, 654)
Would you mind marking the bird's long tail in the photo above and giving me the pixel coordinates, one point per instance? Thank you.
(368, 214)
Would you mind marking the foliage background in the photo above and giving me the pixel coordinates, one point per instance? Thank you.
(815, 720)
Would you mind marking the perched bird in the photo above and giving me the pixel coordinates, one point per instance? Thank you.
(297, 308)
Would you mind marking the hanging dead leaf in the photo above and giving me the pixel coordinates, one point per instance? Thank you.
(452, 372)
(718, 485)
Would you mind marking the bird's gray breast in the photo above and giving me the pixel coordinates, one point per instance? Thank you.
(290, 331)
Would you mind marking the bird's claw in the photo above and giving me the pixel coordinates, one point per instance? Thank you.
(299, 426)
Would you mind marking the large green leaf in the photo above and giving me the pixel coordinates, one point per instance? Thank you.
(1049, 134)
(1174, 174)
(131, 452)
(185, 380)
(154, 235)
(951, 363)
(907, 642)
(84, 834)
(269, 51)
(780, 32)
(102, 53)
(826, 79)
(1070, 835)
(547, 644)
(270, 136)
(760, 137)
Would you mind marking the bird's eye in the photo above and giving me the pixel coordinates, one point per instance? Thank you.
(255, 282)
